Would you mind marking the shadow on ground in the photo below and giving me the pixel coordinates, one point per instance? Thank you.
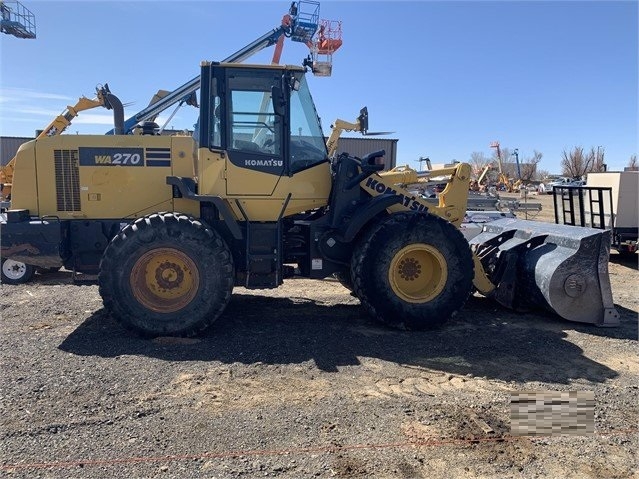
(483, 340)
(629, 261)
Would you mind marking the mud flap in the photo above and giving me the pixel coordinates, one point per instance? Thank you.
(561, 268)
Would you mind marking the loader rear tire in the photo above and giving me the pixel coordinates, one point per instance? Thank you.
(412, 271)
(166, 275)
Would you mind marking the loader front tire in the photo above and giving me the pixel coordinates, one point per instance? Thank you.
(166, 274)
(412, 271)
(344, 278)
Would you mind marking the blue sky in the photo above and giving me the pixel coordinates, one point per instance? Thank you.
(447, 78)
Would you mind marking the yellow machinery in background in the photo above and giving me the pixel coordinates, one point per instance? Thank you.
(57, 127)
(504, 181)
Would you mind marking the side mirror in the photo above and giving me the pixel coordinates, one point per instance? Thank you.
(374, 161)
(277, 97)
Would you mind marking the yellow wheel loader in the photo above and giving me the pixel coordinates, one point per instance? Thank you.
(172, 224)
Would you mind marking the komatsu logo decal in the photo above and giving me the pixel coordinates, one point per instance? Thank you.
(409, 202)
(269, 162)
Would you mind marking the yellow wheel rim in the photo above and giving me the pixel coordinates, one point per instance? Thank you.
(418, 273)
(164, 280)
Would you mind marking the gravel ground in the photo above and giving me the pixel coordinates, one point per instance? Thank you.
(297, 382)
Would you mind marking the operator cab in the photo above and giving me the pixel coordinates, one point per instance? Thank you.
(264, 118)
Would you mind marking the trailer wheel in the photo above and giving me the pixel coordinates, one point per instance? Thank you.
(412, 271)
(15, 272)
(166, 275)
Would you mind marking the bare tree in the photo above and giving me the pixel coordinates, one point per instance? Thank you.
(542, 175)
(508, 166)
(577, 163)
(528, 166)
(599, 165)
(478, 161)
(632, 163)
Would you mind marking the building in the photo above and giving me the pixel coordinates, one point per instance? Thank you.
(9, 146)
(360, 146)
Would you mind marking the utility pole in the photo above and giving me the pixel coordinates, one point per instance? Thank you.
(515, 153)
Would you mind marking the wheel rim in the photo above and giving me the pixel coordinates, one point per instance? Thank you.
(14, 269)
(418, 273)
(165, 280)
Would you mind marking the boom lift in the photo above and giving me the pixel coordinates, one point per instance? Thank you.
(300, 25)
(503, 178)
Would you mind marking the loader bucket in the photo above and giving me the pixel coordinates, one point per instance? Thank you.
(561, 268)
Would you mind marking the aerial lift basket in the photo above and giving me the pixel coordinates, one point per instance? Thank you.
(16, 20)
(306, 21)
(563, 269)
(326, 42)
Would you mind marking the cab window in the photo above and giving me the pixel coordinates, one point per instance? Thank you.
(308, 146)
(254, 127)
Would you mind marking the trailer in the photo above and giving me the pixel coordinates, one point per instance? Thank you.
(610, 201)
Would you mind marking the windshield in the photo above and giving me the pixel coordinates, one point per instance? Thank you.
(307, 140)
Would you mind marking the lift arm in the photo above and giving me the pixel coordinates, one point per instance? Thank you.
(484, 172)
(340, 126)
(56, 127)
(63, 120)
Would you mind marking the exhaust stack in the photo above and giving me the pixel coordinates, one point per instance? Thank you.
(113, 102)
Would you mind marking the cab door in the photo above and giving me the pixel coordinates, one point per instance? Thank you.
(254, 133)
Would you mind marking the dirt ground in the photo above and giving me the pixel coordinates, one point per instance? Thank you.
(298, 382)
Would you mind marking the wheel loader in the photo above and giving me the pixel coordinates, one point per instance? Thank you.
(171, 225)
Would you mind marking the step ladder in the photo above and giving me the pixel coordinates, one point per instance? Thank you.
(263, 240)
